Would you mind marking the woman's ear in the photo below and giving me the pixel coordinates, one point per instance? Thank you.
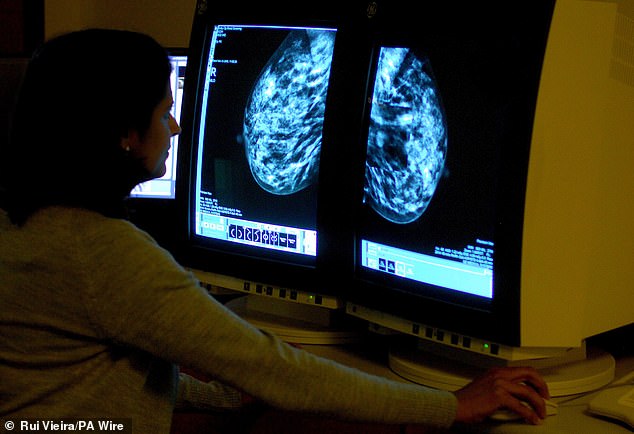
(130, 141)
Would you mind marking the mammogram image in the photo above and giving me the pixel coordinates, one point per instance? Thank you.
(284, 116)
(407, 137)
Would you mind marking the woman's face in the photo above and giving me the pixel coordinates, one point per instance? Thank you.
(153, 148)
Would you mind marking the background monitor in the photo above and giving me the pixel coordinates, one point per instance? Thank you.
(266, 134)
(474, 231)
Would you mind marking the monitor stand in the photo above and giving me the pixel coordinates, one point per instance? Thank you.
(295, 316)
(572, 377)
(297, 323)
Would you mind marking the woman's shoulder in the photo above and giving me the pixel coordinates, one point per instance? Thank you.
(110, 243)
(85, 232)
(83, 222)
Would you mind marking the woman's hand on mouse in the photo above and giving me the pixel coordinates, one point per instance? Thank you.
(508, 388)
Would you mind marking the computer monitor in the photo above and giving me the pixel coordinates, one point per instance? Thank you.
(165, 186)
(495, 193)
(263, 122)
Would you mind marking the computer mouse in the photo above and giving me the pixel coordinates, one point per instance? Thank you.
(505, 415)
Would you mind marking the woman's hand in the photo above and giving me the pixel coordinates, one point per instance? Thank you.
(503, 388)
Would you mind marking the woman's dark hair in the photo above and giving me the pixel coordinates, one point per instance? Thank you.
(81, 94)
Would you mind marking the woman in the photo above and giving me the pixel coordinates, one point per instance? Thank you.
(95, 316)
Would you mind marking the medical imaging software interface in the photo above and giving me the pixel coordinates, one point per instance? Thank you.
(260, 136)
(415, 227)
(165, 186)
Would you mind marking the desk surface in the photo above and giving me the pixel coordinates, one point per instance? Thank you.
(572, 417)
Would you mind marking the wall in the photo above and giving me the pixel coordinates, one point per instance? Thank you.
(168, 21)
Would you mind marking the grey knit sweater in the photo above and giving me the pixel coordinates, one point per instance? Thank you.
(95, 317)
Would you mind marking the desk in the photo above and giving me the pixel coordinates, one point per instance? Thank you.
(572, 418)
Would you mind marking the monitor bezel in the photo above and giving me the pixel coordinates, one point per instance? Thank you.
(497, 319)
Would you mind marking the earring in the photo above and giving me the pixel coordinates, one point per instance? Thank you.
(127, 149)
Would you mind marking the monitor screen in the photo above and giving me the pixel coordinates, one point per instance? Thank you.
(165, 186)
(258, 138)
(427, 221)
